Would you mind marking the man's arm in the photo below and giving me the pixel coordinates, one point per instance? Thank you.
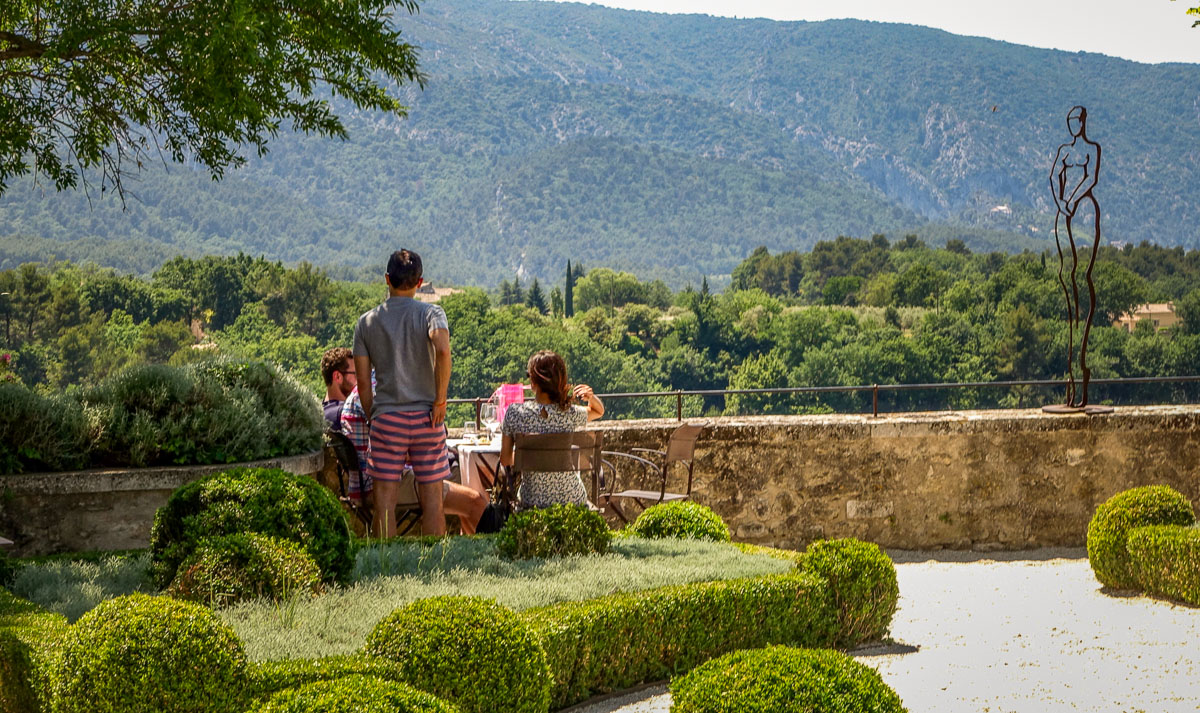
(441, 373)
(362, 365)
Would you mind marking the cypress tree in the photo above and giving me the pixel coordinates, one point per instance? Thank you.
(569, 293)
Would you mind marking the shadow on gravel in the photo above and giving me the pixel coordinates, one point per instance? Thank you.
(1039, 555)
(884, 648)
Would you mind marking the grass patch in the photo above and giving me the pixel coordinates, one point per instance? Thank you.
(391, 575)
(73, 587)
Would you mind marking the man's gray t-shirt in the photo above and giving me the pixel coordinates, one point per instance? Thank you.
(395, 336)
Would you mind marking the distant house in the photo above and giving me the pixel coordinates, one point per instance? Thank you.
(1161, 315)
(428, 293)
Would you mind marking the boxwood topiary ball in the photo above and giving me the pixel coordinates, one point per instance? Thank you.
(779, 679)
(1138, 507)
(354, 694)
(471, 651)
(144, 654)
(269, 501)
(862, 580)
(557, 531)
(233, 568)
(682, 520)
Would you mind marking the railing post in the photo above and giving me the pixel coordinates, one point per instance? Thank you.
(875, 400)
(678, 405)
(478, 410)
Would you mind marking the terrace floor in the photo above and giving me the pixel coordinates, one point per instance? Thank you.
(1020, 632)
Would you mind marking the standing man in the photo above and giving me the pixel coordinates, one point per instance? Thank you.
(408, 344)
(337, 368)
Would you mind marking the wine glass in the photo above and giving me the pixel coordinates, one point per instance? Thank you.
(487, 413)
(470, 431)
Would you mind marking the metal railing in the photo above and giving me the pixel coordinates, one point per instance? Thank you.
(875, 389)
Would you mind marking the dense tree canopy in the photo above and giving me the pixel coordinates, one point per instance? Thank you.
(908, 314)
(108, 83)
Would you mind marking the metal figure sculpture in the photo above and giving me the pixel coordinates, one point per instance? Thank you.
(1072, 178)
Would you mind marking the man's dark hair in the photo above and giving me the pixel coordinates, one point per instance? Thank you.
(334, 360)
(404, 269)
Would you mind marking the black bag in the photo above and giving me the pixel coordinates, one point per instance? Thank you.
(493, 518)
(504, 500)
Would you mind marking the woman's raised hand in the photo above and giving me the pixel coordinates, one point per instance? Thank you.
(583, 392)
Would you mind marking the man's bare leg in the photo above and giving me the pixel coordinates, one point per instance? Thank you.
(433, 516)
(386, 492)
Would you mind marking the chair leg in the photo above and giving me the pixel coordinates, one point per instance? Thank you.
(612, 503)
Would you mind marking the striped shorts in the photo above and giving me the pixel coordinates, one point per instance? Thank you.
(406, 438)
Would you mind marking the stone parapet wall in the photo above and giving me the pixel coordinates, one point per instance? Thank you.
(985, 480)
(47, 513)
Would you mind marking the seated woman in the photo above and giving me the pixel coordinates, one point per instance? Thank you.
(551, 411)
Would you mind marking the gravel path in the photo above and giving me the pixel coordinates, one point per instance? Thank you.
(1027, 632)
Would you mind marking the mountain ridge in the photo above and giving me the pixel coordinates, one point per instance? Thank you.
(811, 130)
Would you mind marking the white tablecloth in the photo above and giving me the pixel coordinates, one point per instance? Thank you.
(467, 452)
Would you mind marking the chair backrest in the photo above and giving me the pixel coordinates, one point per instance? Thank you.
(345, 455)
(682, 444)
(557, 452)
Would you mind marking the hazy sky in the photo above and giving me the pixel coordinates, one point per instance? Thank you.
(1142, 30)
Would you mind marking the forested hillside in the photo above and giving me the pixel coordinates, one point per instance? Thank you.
(669, 146)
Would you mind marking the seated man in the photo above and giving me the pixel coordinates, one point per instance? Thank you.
(337, 368)
(354, 427)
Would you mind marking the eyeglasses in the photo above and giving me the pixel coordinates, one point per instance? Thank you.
(347, 372)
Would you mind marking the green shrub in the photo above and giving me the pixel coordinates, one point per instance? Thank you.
(41, 433)
(783, 680)
(621, 640)
(268, 501)
(233, 568)
(862, 580)
(144, 654)
(1166, 560)
(557, 531)
(683, 520)
(270, 677)
(1107, 532)
(29, 642)
(471, 651)
(354, 694)
(212, 412)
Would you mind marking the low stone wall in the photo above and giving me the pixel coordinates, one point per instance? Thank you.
(47, 513)
(985, 480)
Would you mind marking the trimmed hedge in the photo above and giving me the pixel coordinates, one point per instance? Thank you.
(471, 651)
(621, 640)
(354, 694)
(268, 501)
(30, 638)
(779, 679)
(233, 568)
(145, 654)
(267, 678)
(556, 531)
(862, 580)
(1110, 526)
(1166, 561)
(223, 411)
(682, 520)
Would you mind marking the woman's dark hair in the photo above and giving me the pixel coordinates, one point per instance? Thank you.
(549, 372)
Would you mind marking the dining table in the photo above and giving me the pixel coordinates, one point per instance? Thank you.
(478, 461)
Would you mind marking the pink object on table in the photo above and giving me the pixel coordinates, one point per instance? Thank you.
(507, 395)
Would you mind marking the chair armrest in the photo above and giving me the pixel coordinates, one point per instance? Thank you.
(655, 451)
(639, 459)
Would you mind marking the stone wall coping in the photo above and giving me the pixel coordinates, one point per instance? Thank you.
(169, 477)
(1184, 417)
